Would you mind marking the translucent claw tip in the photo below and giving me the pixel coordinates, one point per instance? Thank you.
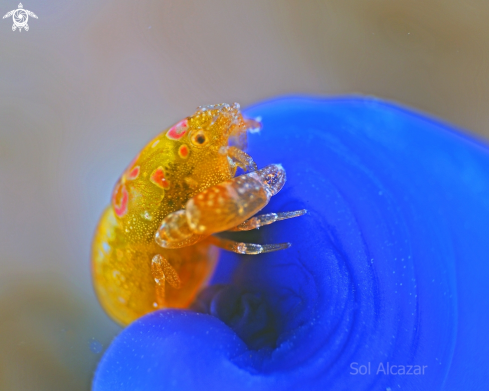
(268, 248)
(273, 177)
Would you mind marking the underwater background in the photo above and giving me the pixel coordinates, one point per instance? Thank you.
(92, 82)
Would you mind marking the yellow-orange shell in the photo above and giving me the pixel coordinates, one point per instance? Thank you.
(122, 272)
(159, 181)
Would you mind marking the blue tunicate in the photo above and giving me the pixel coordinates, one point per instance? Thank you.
(395, 201)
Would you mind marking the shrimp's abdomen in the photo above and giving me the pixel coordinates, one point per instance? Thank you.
(121, 271)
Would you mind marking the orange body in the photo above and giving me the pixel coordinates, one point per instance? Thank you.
(178, 164)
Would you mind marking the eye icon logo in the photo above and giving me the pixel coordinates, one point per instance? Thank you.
(20, 16)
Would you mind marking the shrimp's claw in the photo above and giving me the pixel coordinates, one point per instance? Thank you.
(266, 219)
(247, 248)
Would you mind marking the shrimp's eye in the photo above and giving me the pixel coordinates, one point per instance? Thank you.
(199, 139)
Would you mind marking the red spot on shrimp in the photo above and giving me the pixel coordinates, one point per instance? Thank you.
(120, 199)
(158, 178)
(178, 130)
(133, 174)
(133, 163)
(183, 151)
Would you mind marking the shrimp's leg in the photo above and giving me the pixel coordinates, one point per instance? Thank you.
(239, 136)
(163, 272)
(241, 159)
(246, 248)
(265, 219)
(220, 207)
(253, 125)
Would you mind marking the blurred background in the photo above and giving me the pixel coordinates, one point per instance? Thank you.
(92, 82)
